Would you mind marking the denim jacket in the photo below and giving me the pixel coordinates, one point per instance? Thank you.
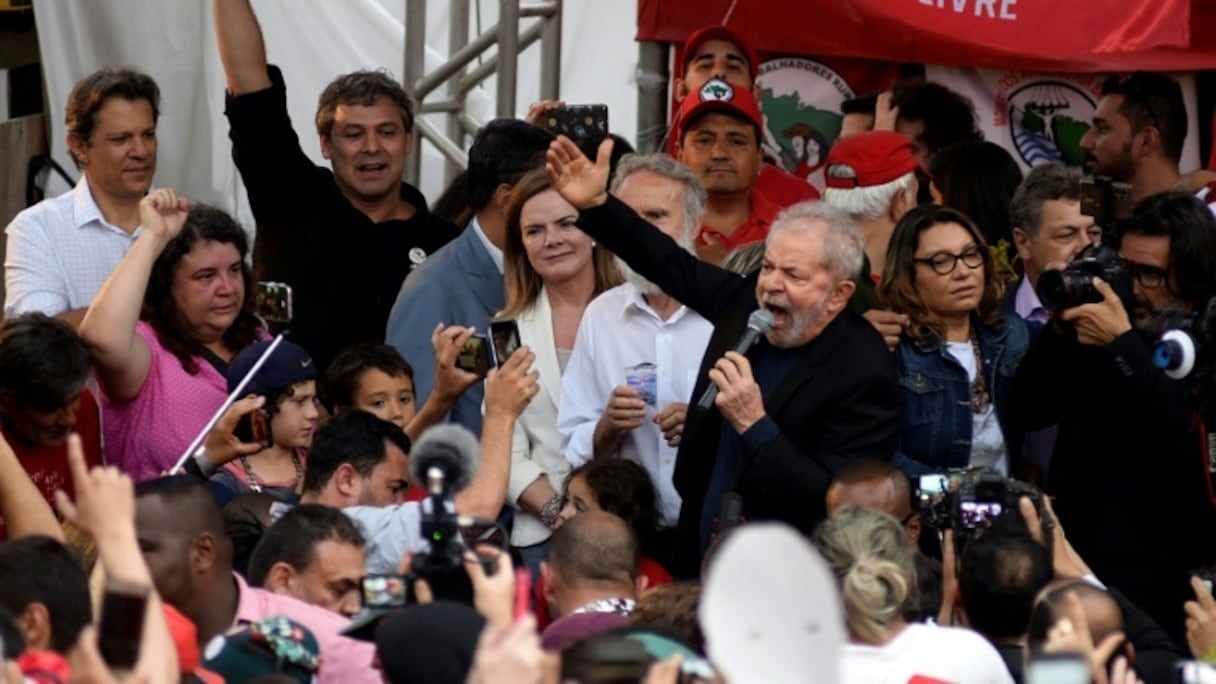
(935, 431)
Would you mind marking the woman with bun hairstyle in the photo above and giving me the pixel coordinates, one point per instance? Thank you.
(872, 560)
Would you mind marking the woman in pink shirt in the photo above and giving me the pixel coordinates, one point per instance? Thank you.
(163, 328)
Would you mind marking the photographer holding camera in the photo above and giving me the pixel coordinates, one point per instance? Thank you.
(1127, 470)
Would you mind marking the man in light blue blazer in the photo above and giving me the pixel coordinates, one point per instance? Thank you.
(462, 283)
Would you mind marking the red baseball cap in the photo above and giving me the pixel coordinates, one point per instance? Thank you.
(868, 159)
(705, 34)
(719, 96)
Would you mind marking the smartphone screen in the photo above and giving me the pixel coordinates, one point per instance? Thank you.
(1058, 668)
(274, 302)
(505, 335)
(474, 357)
(936, 483)
(977, 513)
(123, 609)
(254, 428)
(383, 591)
(578, 121)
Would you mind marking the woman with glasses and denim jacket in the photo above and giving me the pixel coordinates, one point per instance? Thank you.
(960, 350)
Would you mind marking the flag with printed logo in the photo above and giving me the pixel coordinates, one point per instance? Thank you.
(1040, 118)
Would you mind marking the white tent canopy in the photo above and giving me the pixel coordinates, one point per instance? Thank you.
(312, 41)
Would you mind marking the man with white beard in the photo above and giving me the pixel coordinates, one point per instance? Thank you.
(626, 390)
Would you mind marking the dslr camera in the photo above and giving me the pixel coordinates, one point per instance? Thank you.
(974, 500)
(1073, 286)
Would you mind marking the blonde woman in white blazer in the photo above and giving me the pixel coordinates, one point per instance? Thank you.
(552, 270)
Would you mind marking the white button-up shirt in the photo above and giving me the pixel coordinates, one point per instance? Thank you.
(619, 331)
(60, 252)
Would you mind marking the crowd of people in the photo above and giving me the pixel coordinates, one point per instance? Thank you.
(599, 416)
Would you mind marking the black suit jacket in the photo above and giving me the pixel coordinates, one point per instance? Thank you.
(840, 402)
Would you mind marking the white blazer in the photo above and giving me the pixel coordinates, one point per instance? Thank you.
(536, 445)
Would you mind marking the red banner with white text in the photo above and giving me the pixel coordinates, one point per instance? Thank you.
(1044, 35)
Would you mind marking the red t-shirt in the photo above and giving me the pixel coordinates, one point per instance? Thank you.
(754, 229)
(652, 571)
(48, 465)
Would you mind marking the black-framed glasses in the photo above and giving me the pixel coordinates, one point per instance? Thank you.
(1149, 277)
(944, 263)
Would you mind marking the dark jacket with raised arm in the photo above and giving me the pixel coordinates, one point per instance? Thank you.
(836, 401)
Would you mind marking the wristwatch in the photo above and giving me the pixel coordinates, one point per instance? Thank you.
(200, 462)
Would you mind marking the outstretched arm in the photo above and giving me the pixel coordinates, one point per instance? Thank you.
(509, 388)
(24, 509)
(120, 355)
(242, 51)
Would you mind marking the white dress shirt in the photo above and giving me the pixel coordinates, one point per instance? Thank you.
(620, 330)
(60, 252)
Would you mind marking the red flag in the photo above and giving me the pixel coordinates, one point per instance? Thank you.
(1045, 35)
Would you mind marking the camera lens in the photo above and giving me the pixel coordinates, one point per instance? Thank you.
(1055, 290)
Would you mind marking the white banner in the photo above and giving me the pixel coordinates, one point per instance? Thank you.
(1041, 117)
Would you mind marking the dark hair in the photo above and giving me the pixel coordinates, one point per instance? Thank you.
(341, 379)
(594, 547)
(1046, 182)
(1000, 574)
(192, 499)
(362, 88)
(624, 489)
(870, 470)
(455, 203)
(354, 437)
(1186, 221)
(590, 146)
(925, 599)
(246, 518)
(203, 223)
(979, 179)
(862, 104)
(10, 636)
(1151, 99)
(897, 290)
(91, 92)
(38, 569)
(294, 538)
(503, 151)
(43, 363)
(948, 117)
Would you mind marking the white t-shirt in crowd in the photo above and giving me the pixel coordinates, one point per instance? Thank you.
(987, 441)
(925, 653)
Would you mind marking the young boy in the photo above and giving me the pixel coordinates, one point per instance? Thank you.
(373, 378)
(285, 423)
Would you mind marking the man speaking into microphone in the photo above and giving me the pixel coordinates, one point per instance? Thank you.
(816, 392)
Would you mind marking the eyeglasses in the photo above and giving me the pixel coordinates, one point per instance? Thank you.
(1149, 277)
(944, 263)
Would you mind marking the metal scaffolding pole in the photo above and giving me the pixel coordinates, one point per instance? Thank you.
(458, 37)
(509, 36)
(652, 77)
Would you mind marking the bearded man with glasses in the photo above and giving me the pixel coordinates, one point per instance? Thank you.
(1128, 471)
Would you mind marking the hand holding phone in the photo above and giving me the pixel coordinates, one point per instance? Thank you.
(275, 302)
(123, 610)
(254, 428)
(578, 122)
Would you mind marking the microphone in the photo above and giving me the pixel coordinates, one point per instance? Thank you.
(444, 459)
(759, 323)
